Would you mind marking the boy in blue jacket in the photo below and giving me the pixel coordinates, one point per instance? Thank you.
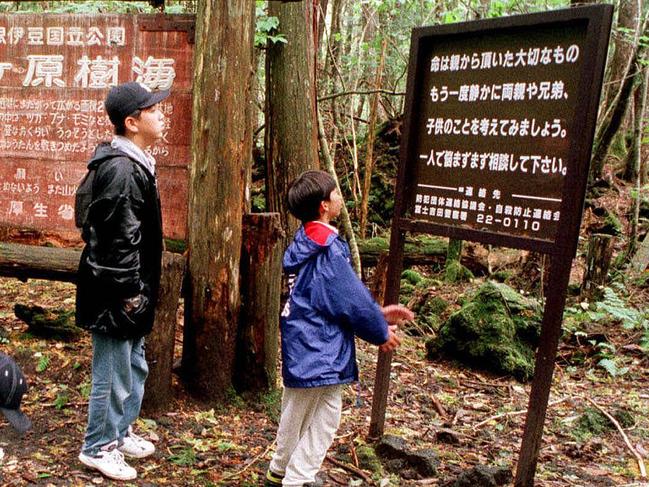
(328, 305)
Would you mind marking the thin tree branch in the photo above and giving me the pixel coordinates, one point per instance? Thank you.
(643, 470)
(363, 92)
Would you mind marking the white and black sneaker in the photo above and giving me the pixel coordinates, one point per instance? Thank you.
(110, 462)
(135, 446)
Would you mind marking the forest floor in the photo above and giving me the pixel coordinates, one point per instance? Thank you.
(231, 444)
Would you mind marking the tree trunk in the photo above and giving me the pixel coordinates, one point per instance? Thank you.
(598, 261)
(627, 24)
(611, 123)
(261, 279)
(225, 31)
(291, 132)
(453, 257)
(322, 16)
(634, 163)
(161, 340)
(31, 262)
(632, 166)
(344, 214)
(640, 260)
(369, 146)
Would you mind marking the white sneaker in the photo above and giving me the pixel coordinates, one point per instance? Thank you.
(109, 462)
(135, 446)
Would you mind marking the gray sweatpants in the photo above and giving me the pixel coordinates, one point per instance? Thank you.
(310, 418)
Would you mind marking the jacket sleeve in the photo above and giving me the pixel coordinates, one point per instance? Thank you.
(338, 293)
(115, 220)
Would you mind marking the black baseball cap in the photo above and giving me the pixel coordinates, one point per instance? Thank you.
(12, 387)
(123, 100)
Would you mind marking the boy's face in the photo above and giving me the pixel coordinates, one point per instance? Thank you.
(150, 124)
(335, 204)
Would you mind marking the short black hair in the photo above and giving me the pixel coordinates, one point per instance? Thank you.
(120, 129)
(306, 193)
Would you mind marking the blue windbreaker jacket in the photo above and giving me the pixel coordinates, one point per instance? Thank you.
(327, 305)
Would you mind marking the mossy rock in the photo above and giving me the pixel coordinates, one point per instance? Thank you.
(428, 282)
(428, 309)
(367, 459)
(429, 314)
(406, 292)
(501, 276)
(49, 323)
(411, 276)
(435, 305)
(456, 272)
(498, 330)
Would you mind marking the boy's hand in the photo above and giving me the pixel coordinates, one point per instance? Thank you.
(396, 313)
(393, 340)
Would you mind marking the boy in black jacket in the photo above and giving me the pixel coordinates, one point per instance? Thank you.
(119, 276)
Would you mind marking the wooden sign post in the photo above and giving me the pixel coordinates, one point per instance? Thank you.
(496, 147)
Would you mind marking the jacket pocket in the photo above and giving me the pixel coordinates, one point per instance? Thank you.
(117, 322)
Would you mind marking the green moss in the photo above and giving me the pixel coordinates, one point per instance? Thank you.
(175, 246)
(426, 245)
(496, 330)
(406, 292)
(422, 244)
(367, 459)
(374, 245)
(411, 276)
(501, 276)
(435, 305)
(625, 418)
(619, 145)
(456, 272)
(591, 422)
(428, 283)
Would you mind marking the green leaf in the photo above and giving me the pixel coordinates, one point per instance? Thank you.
(61, 400)
(609, 366)
(43, 363)
(185, 457)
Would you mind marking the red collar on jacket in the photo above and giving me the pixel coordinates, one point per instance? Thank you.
(319, 232)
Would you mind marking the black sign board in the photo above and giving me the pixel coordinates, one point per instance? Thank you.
(500, 117)
(496, 119)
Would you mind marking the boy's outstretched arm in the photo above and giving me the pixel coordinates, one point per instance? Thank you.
(394, 314)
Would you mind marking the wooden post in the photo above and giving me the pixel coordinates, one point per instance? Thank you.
(160, 342)
(261, 274)
(598, 261)
(543, 369)
(384, 363)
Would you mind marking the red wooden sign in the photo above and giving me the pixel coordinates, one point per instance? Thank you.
(55, 71)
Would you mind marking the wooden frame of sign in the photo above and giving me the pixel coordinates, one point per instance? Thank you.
(500, 117)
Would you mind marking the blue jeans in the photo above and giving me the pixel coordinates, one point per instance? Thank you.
(119, 370)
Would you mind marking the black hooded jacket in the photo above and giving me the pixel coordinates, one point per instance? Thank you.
(123, 252)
